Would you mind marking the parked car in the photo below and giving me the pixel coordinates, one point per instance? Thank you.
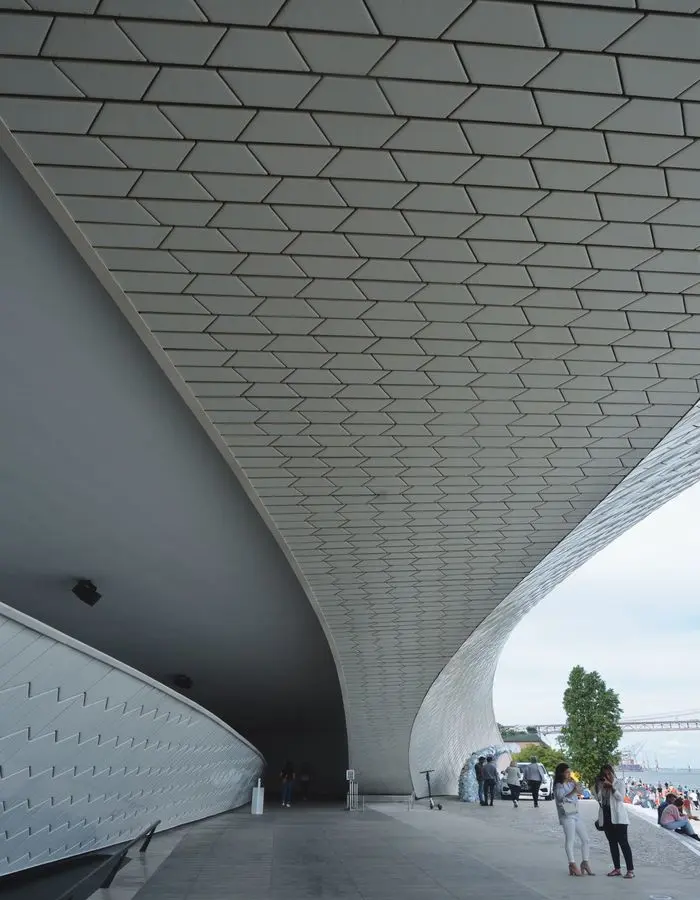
(546, 788)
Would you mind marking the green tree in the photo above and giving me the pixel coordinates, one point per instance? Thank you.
(548, 756)
(592, 732)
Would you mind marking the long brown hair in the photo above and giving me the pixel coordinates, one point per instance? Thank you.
(559, 772)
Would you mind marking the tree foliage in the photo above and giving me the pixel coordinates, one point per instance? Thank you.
(592, 733)
(548, 756)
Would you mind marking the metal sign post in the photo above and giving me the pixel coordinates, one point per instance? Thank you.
(352, 797)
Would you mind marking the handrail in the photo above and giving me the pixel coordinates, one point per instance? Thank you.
(108, 868)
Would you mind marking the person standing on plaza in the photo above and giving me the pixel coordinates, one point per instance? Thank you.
(490, 780)
(614, 819)
(287, 779)
(533, 776)
(566, 792)
(479, 772)
(513, 777)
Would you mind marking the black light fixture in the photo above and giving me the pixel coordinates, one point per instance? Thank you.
(86, 591)
(184, 682)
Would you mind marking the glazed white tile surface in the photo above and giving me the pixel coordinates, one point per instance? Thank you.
(92, 753)
(427, 274)
(457, 713)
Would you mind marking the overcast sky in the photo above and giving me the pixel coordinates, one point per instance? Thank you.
(635, 611)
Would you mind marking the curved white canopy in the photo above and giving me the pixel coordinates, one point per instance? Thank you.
(427, 272)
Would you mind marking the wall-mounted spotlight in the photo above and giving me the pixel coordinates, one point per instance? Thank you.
(184, 682)
(86, 591)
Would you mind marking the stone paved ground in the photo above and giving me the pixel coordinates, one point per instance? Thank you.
(531, 839)
(651, 846)
(389, 853)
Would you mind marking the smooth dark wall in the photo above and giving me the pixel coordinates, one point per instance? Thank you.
(106, 474)
(324, 749)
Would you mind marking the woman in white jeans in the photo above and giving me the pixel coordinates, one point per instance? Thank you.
(566, 792)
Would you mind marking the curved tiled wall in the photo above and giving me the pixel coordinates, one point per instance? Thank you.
(92, 752)
(457, 714)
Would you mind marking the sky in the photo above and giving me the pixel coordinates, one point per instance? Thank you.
(634, 614)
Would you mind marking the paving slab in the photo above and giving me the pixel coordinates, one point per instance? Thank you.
(388, 852)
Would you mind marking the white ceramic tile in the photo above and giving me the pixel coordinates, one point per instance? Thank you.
(414, 19)
(573, 28)
(170, 42)
(179, 10)
(334, 15)
(673, 36)
(134, 120)
(495, 22)
(66, 150)
(260, 13)
(503, 65)
(93, 38)
(272, 89)
(22, 34)
(258, 49)
(182, 85)
(424, 99)
(39, 77)
(109, 81)
(341, 54)
(35, 114)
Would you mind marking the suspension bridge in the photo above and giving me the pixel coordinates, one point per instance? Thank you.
(687, 721)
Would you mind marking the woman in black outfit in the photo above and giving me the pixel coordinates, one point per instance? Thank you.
(614, 820)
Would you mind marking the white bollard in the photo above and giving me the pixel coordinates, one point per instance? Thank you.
(258, 801)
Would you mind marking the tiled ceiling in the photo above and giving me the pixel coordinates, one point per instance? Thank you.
(430, 268)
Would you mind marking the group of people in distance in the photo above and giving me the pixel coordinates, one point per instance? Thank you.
(487, 779)
(650, 796)
(532, 773)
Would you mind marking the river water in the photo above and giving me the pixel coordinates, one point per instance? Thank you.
(680, 778)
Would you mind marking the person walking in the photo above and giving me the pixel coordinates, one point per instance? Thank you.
(513, 781)
(566, 792)
(287, 778)
(490, 781)
(479, 772)
(533, 776)
(614, 819)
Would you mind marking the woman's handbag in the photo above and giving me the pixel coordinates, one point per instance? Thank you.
(570, 808)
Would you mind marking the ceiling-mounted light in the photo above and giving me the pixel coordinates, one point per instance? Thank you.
(86, 591)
